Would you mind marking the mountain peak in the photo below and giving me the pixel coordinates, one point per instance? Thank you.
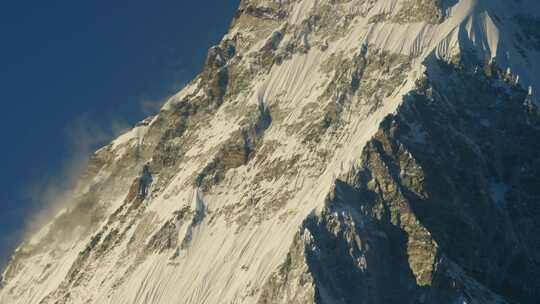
(492, 30)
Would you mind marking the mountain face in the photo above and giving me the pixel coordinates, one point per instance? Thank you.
(331, 151)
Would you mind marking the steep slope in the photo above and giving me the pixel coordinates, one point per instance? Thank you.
(351, 151)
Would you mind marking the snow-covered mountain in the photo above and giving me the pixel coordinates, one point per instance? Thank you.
(331, 151)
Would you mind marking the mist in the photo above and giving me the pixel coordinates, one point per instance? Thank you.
(66, 60)
(49, 194)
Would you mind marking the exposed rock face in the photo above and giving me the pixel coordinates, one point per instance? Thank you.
(430, 11)
(438, 201)
(350, 151)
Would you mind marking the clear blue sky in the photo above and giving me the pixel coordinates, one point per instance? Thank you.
(86, 65)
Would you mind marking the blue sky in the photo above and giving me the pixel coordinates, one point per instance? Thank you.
(73, 73)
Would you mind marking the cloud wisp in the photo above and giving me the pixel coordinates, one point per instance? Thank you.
(45, 197)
